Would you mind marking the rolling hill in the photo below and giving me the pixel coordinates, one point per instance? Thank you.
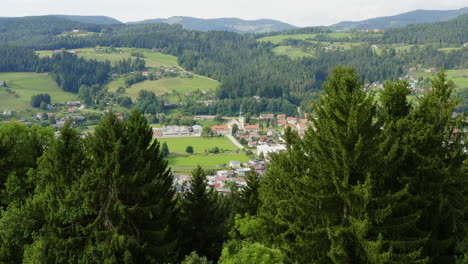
(228, 24)
(413, 17)
(100, 20)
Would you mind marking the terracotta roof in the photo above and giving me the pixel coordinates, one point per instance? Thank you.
(251, 127)
(215, 128)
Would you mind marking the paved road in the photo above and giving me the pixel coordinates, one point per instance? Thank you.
(235, 141)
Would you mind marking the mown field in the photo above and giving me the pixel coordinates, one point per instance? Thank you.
(185, 165)
(152, 59)
(25, 85)
(199, 144)
(163, 86)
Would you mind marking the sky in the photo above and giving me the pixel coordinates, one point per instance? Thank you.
(296, 12)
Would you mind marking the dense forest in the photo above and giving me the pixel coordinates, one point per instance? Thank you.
(244, 66)
(374, 182)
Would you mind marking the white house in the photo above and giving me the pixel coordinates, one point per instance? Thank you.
(234, 164)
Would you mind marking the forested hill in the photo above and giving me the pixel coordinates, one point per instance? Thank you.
(92, 19)
(228, 24)
(26, 29)
(454, 31)
(413, 17)
(244, 66)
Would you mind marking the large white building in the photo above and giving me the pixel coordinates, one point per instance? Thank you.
(265, 149)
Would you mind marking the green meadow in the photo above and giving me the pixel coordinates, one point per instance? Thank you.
(163, 86)
(199, 144)
(25, 85)
(459, 77)
(185, 165)
(152, 59)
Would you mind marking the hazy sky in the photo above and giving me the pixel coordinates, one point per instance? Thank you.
(296, 12)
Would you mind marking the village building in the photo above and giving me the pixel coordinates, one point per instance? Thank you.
(266, 116)
(221, 130)
(266, 149)
(282, 123)
(234, 164)
(251, 128)
(281, 117)
(292, 120)
(73, 103)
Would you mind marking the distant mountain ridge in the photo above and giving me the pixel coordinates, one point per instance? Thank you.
(412, 17)
(100, 20)
(230, 24)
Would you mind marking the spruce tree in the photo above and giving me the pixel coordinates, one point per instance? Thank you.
(249, 197)
(324, 200)
(57, 194)
(438, 182)
(204, 218)
(129, 195)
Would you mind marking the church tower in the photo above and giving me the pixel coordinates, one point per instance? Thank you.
(241, 119)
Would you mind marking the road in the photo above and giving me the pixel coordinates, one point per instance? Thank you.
(235, 141)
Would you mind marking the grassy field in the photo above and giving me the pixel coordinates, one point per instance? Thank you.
(199, 144)
(27, 84)
(277, 39)
(185, 165)
(459, 77)
(292, 52)
(152, 59)
(162, 86)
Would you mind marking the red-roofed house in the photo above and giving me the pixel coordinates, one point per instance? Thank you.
(301, 128)
(281, 117)
(220, 130)
(266, 116)
(282, 122)
(251, 128)
(292, 120)
(145, 73)
(304, 120)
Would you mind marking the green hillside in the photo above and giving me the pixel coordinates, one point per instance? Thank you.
(162, 86)
(152, 59)
(25, 85)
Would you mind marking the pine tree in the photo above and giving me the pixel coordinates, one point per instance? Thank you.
(129, 194)
(204, 219)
